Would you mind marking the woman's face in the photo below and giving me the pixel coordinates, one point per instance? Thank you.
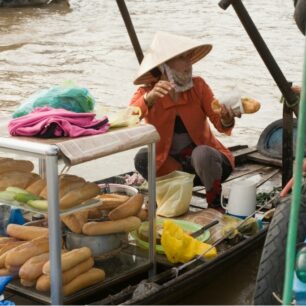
(181, 63)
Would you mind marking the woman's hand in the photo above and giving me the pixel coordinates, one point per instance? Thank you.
(296, 89)
(227, 116)
(160, 89)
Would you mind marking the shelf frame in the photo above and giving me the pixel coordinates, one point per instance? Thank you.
(49, 154)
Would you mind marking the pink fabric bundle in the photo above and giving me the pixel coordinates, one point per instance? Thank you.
(51, 122)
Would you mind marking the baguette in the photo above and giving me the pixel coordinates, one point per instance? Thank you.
(32, 268)
(109, 227)
(4, 271)
(27, 283)
(66, 184)
(75, 221)
(111, 200)
(22, 232)
(37, 186)
(143, 214)
(130, 208)
(94, 213)
(19, 255)
(16, 165)
(13, 269)
(5, 250)
(250, 105)
(5, 240)
(70, 259)
(84, 280)
(77, 196)
(17, 179)
(4, 160)
(44, 281)
(72, 223)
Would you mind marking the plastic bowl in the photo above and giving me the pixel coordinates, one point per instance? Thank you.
(99, 245)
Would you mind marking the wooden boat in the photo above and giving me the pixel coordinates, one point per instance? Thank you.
(127, 275)
(166, 287)
(28, 3)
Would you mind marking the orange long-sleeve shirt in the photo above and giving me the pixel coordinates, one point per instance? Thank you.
(194, 108)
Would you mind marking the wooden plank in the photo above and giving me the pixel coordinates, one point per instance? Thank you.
(258, 157)
(244, 151)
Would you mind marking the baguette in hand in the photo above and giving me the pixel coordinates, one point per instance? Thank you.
(250, 105)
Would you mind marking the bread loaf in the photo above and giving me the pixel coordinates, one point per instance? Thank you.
(27, 283)
(19, 255)
(5, 250)
(70, 259)
(72, 223)
(130, 208)
(4, 271)
(22, 232)
(110, 227)
(66, 184)
(37, 187)
(5, 240)
(16, 165)
(84, 280)
(17, 179)
(250, 105)
(4, 160)
(143, 214)
(94, 213)
(44, 281)
(32, 268)
(13, 269)
(77, 196)
(75, 221)
(111, 200)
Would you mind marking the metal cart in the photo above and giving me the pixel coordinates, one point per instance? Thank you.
(75, 151)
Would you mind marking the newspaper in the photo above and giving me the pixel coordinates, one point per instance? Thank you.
(78, 150)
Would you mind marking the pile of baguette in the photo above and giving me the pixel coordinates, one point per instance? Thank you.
(17, 173)
(73, 190)
(125, 214)
(25, 254)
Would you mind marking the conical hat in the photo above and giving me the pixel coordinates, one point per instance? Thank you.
(164, 47)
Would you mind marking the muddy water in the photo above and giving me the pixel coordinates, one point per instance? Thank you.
(87, 44)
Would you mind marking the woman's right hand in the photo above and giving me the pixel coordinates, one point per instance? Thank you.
(160, 89)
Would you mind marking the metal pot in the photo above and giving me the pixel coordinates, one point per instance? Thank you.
(99, 245)
(118, 188)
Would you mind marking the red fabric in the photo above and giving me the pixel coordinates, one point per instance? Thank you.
(194, 108)
(64, 123)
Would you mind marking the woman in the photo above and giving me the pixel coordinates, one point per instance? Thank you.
(179, 106)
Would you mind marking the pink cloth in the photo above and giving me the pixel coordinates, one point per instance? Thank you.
(51, 122)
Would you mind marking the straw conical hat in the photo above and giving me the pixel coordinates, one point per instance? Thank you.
(164, 47)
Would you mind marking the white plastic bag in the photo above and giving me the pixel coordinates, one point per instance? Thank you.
(173, 193)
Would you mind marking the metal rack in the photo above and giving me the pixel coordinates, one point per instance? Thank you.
(49, 151)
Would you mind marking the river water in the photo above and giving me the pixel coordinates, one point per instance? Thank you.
(88, 44)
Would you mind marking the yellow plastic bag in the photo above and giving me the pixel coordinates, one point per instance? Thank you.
(118, 118)
(181, 247)
(129, 116)
(173, 193)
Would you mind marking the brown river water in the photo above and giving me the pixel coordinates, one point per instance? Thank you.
(88, 44)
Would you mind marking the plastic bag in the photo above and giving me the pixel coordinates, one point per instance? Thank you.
(173, 193)
(72, 98)
(129, 116)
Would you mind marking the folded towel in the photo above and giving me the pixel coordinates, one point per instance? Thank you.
(51, 122)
